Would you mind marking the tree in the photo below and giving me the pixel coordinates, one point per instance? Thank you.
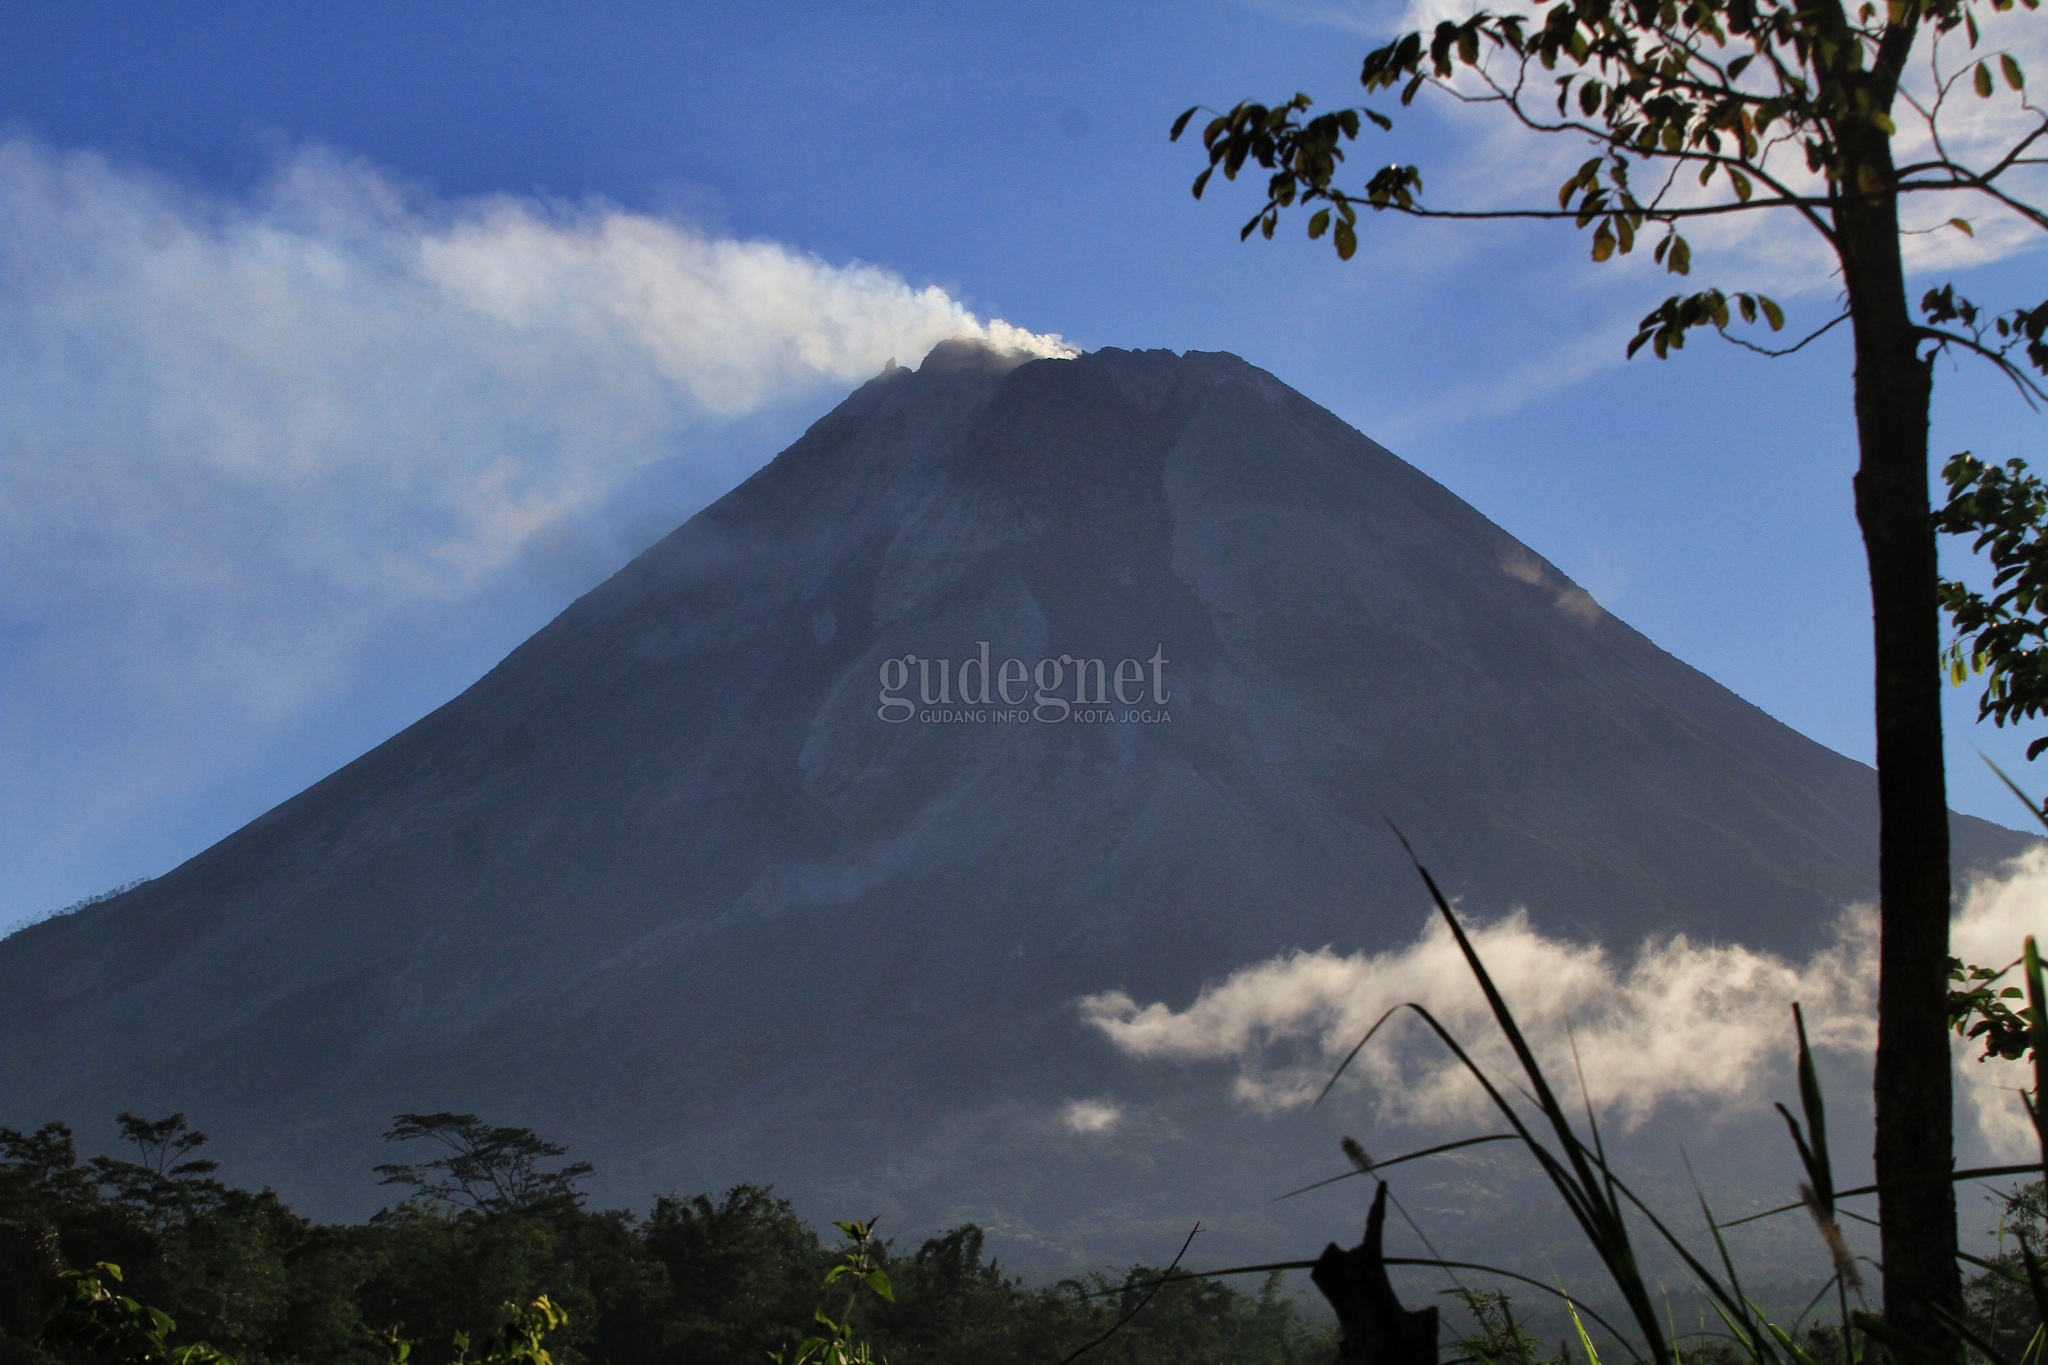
(487, 1168)
(1789, 107)
(166, 1183)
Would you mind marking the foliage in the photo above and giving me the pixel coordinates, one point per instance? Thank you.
(506, 1280)
(1497, 1337)
(88, 1315)
(2003, 637)
(520, 1340)
(2007, 1318)
(1979, 1011)
(860, 1265)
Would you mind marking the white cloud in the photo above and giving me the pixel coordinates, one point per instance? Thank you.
(1674, 1022)
(1994, 922)
(1091, 1117)
(238, 435)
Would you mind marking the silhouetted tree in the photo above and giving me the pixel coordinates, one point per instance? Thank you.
(486, 1168)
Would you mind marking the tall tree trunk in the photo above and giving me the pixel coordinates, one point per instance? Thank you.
(1914, 1116)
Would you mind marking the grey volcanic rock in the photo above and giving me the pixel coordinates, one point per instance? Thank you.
(665, 884)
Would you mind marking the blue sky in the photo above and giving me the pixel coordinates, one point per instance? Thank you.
(281, 287)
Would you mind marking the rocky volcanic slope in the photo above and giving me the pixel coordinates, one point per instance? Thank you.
(666, 883)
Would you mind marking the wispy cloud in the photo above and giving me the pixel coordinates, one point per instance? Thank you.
(1674, 1022)
(239, 434)
(1091, 1117)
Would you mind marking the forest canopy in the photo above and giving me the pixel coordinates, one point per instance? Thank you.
(492, 1220)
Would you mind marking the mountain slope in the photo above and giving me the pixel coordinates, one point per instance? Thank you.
(668, 883)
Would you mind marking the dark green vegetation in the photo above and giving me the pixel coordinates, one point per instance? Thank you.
(1713, 108)
(2003, 636)
(495, 1222)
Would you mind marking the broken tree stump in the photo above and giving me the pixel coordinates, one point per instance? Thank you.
(1375, 1328)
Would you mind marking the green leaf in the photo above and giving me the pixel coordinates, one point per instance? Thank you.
(1585, 1341)
(1983, 81)
(1772, 313)
(1318, 224)
(1180, 125)
(1603, 241)
(2014, 77)
(1202, 181)
(1346, 240)
(1962, 225)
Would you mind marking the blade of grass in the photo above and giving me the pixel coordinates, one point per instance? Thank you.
(1397, 1160)
(1973, 1173)
(1748, 1332)
(1792, 1348)
(1352, 1055)
(1970, 1336)
(1424, 1262)
(1742, 1338)
(1599, 1215)
(2014, 788)
(1585, 1342)
(2037, 1043)
(1818, 1295)
(1118, 1325)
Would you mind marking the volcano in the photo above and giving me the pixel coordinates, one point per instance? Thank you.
(784, 854)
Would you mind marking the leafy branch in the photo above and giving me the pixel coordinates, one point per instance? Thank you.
(2004, 636)
(1977, 1010)
(1722, 90)
(860, 1264)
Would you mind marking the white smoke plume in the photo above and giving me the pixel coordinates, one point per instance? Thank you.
(1676, 1021)
(239, 434)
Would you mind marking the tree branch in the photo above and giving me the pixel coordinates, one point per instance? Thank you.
(2032, 392)
(1814, 335)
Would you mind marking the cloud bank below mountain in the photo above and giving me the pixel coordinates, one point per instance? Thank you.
(1676, 1022)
